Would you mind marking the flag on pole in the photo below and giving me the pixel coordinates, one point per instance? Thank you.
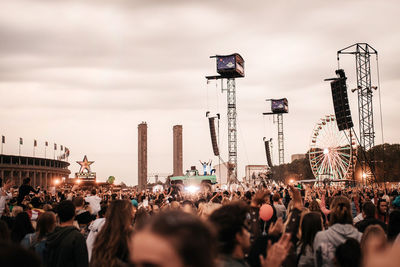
(21, 141)
(67, 151)
(55, 146)
(61, 148)
(3, 139)
(46, 143)
(34, 143)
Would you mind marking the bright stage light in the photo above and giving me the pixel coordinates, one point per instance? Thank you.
(291, 181)
(56, 181)
(326, 151)
(78, 181)
(192, 189)
(364, 175)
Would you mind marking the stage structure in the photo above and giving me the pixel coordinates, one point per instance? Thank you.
(256, 174)
(363, 52)
(85, 175)
(230, 67)
(278, 108)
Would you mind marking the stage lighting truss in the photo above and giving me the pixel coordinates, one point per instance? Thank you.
(331, 153)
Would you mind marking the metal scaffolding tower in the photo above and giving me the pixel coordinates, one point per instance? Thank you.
(281, 148)
(363, 52)
(232, 131)
(230, 67)
(278, 108)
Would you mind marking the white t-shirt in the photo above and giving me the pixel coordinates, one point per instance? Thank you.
(94, 203)
(4, 196)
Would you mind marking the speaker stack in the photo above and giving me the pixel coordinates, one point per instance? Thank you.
(268, 152)
(213, 136)
(341, 102)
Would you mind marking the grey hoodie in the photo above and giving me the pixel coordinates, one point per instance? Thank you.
(326, 242)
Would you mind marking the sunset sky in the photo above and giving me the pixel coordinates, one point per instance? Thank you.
(84, 74)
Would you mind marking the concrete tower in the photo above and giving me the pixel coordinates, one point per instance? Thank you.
(178, 158)
(142, 156)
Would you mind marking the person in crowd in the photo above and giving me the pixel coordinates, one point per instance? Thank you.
(388, 257)
(341, 228)
(232, 226)
(348, 254)
(94, 229)
(13, 255)
(25, 189)
(66, 246)
(5, 234)
(94, 202)
(111, 243)
(173, 238)
(310, 224)
(314, 206)
(382, 210)
(22, 226)
(83, 216)
(280, 208)
(394, 226)
(5, 195)
(368, 213)
(374, 239)
(205, 209)
(37, 241)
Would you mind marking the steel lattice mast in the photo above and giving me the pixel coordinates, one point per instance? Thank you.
(232, 131)
(230, 67)
(278, 108)
(363, 52)
(281, 149)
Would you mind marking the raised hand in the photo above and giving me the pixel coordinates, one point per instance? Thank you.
(276, 228)
(297, 202)
(277, 252)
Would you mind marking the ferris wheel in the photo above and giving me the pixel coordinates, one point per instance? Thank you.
(331, 153)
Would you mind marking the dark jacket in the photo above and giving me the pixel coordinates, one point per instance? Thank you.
(23, 191)
(66, 247)
(362, 225)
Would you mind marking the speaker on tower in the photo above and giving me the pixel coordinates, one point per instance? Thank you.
(213, 136)
(268, 152)
(341, 101)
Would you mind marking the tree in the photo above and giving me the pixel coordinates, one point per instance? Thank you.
(111, 180)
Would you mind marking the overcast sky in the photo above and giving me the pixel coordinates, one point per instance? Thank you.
(84, 74)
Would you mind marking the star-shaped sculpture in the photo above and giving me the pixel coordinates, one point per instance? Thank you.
(85, 164)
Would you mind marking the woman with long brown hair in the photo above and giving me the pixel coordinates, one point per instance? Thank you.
(111, 245)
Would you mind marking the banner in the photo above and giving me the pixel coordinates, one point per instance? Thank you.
(3, 139)
(21, 141)
(34, 143)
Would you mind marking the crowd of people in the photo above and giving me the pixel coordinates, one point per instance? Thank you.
(262, 226)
